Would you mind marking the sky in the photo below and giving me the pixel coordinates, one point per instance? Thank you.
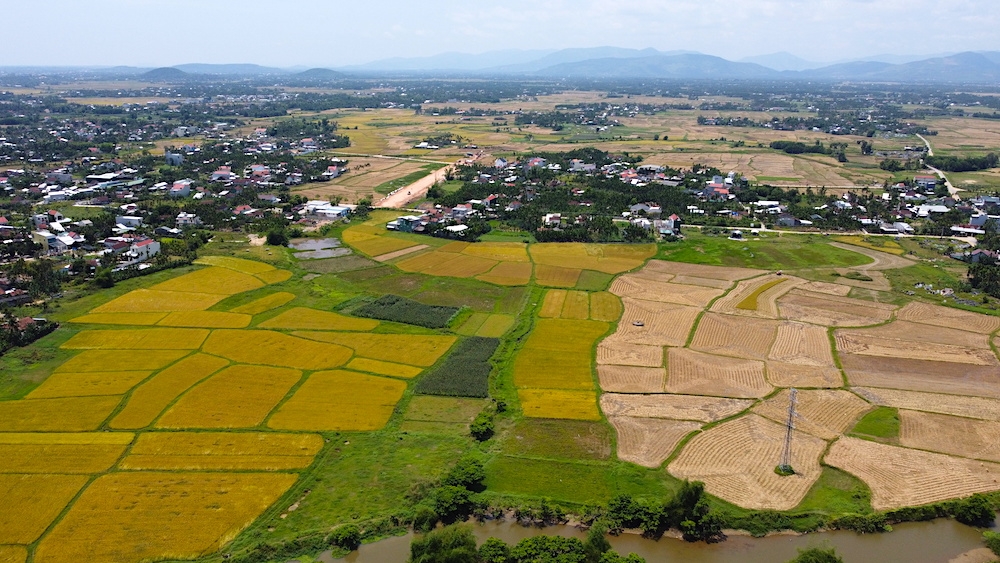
(333, 33)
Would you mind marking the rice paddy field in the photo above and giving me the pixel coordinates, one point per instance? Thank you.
(238, 400)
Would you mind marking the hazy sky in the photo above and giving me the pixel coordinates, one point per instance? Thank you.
(340, 32)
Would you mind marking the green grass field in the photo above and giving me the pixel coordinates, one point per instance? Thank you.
(787, 252)
(880, 425)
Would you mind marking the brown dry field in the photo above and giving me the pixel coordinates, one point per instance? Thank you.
(631, 379)
(827, 288)
(964, 134)
(766, 301)
(922, 375)
(802, 344)
(964, 437)
(703, 282)
(649, 441)
(618, 353)
(736, 461)
(740, 337)
(673, 407)
(938, 316)
(700, 271)
(871, 345)
(823, 413)
(917, 332)
(901, 477)
(968, 407)
(400, 253)
(365, 175)
(829, 310)
(781, 374)
(695, 373)
(663, 324)
(639, 288)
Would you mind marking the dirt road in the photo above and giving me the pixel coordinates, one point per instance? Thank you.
(417, 190)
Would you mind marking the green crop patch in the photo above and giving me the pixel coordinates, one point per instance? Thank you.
(402, 310)
(880, 425)
(465, 373)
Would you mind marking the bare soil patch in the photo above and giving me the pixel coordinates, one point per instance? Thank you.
(824, 413)
(673, 407)
(970, 407)
(964, 437)
(649, 441)
(922, 375)
(827, 288)
(398, 253)
(658, 324)
(936, 315)
(901, 477)
(741, 337)
(695, 373)
(802, 344)
(630, 379)
(615, 352)
(736, 461)
(781, 374)
(830, 310)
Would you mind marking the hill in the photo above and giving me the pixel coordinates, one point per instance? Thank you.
(319, 74)
(165, 74)
(675, 66)
(229, 69)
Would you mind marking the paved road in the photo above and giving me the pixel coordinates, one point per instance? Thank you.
(947, 183)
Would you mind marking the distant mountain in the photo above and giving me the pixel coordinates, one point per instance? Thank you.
(567, 56)
(319, 74)
(991, 55)
(662, 66)
(229, 69)
(165, 74)
(845, 71)
(963, 67)
(898, 59)
(453, 61)
(782, 61)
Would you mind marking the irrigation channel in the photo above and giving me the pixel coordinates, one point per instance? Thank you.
(939, 541)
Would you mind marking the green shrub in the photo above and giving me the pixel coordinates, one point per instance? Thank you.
(402, 310)
(862, 523)
(465, 372)
(992, 540)
(482, 427)
(817, 555)
(454, 544)
(975, 511)
(346, 537)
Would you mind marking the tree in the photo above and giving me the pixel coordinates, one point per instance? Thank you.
(975, 511)
(635, 233)
(277, 238)
(548, 549)
(346, 537)
(452, 503)
(597, 544)
(363, 209)
(105, 278)
(453, 544)
(494, 550)
(468, 473)
(817, 555)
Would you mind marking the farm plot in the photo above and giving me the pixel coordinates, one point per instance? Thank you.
(274, 276)
(695, 373)
(968, 407)
(448, 264)
(464, 373)
(740, 337)
(655, 324)
(556, 276)
(339, 401)
(922, 375)
(149, 399)
(663, 292)
(379, 367)
(120, 360)
(756, 297)
(251, 267)
(901, 477)
(146, 339)
(557, 355)
(629, 379)
(612, 351)
(410, 349)
(501, 251)
(830, 310)
(236, 397)
(559, 404)
(673, 407)
(193, 451)
(13, 554)
(920, 333)
(605, 306)
(736, 461)
(40, 452)
(222, 281)
(868, 344)
(73, 414)
(508, 273)
(710, 274)
(206, 319)
(782, 374)
(140, 516)
(264, 304)
(399, 253)
(301, 318)
(802, 344)
(495, 326)
(374, 241)
(649, 441)
(964, 437)
(827, 288)
(32, 502)
(607, 258)
(135, 319)
(938, 316)
(88, 384)
(427, 413)
(823, 413)
(154, 301)
(267, 348)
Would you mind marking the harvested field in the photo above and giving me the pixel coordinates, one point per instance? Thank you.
(969, 407)
(559, 404)
(628, 379)
(649, 441)
(938, 316)
(74, 414)
(827, 288)
(264, 304)
(900, 477)
(605, 307)
(301, 318)
(700, 271)
(702, 282)
(410, 349)
(802, 344)
(206, 319)
(150, 398)
(32, 502)
(920, 333)
(867, 344)
(379, 367)
(221, 281)
(251, 267)
(695, 373)
(400, 253)
(823, 413)
(146, 339)
(88, 384)
(922, 375)
(135, 319)
(740, 337)
(552, 305)
(150, 301)
(614, 352)
(673, 407)
(756, 297)
(508, 273)
(274, 276)
(781, 374)
(140, 516)
(120, 360)
(265, 347)
(607, 258)
(659, 324)
(736, 461)
(194, 451)
(830, 310)
(339, 401)
(964, 437)
(648, 290)
(555, 276)
(61, 453)
(256, 389)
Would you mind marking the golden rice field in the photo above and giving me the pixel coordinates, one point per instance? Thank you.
(508, 273)
(268, 348)
(142, 516)
(607, 258)
(302, 318)
(559, 404)
(193, 451)
(121, 360)
(61, 453)
(274, 276)
(150, 398)
(139, 319)
(411, 349)
(147, 339)
(222, 281)
(39, 499)
(339, 401)
(236, 397)
(448, 264)
(264, 304)
(206, 319)
(373, 241)
(73, 414)
(13, 554)
(486, 325)
(500, 251)
(379, 367)
(251, 267)
(605, 306)
(156, 301)
(85, 384)
(556, 276)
